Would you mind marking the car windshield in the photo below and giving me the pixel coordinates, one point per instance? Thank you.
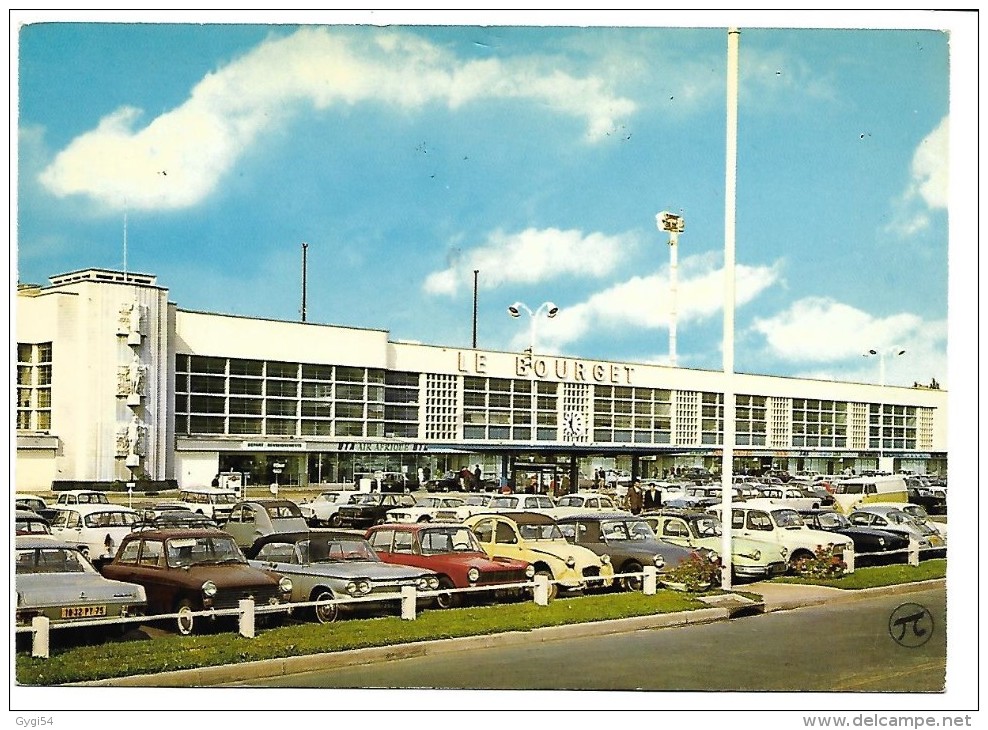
(452, 502)
(917, 511)
(51, 560)
(449, 540)
(706, 526)
(626, 530)
(93, 498)
(367, 499)
(330, 497)
(427, 502)
(28, 526)
(833, 521)
(570, 501)
(509, 502)
(185, 551)
(787, 518)
(549, 531)
(849, 488)
(110, 519)
(229, 498)
(334, 550)
(284, 511)
(477, 500)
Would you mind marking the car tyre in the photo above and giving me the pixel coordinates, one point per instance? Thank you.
(447, 600)
(330, 612)
(185, 622)
(632, 583)
(334, 520)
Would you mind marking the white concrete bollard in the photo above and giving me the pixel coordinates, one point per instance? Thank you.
(541, 592)
(408, 600)
(849, 559)
(246, 624)
(40, 636)
(651, 580)
(913, 551)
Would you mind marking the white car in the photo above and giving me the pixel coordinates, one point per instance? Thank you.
(81, 496)
(323, 509)
(472, 504)
(424, 509)
(582, 502)
(96, 529)
(793, 497)
(771, 521)
(213, 502)
(521, 503)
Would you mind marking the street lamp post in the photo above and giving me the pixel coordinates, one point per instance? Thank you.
(673, 225)
(550, 310)
(894, 352)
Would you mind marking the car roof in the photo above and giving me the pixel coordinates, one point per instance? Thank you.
(586, 494)
(28, 542)
(269, 502)
(413, 526)
(27, 514)
(165, 533)
(684, 513)
(209, 490)
(88, 508)
(521, 518)
(81, 491)
(598, 517)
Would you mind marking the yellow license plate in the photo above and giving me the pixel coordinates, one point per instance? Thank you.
(83, 611)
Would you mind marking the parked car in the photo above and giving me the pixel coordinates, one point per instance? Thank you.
(27, 522)
(536, 538)
(256, 518)
(749, 558)
(866, 540)
(448, 482)
(371, 508)
(157, 520)
(81, 496)
(188, 570)
(521, 503)
(770, 521)
(627, 541)
(472, 504)
(893, 519)
(854, 492)
(95, 528)
(581, 503)
(214, 502)
(323, 510)
(330, 564)
(424, 509)
(449, 550)
(52, 578)
(35, 504)
(793, 497)
(932, 498)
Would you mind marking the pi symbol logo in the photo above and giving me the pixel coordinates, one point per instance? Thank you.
(911, 625)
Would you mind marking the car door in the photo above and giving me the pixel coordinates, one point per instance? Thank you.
(674, 530)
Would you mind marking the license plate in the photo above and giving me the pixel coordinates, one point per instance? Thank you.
(83, 611)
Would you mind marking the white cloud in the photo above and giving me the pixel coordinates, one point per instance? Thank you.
(531, 256)
(928, 186)
(644, 302)
(178, 158)
(821, 330)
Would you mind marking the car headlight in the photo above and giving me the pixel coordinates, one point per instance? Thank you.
(209, 589)
(363, 587)
(881, 541)
(433, 583)
(659, 561)
(473, 575)
(570, 562)
(422, 584)
(351, 588)
(605, 559)
(530, 571)
(285, 585)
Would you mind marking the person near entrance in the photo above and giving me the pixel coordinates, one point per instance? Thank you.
(635, 498)
(652, 498)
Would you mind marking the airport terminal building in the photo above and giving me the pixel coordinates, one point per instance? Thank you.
(115, 383)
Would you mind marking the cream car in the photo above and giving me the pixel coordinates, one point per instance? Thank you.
(95, 529)
(581, 503)
(536, 538)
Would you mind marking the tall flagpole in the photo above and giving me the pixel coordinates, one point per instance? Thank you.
(730, 403)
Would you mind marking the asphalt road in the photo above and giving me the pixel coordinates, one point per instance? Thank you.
(844, 647)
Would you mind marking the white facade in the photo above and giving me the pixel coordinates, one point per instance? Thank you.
(135, 389)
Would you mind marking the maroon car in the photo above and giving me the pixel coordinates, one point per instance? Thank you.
(451, 550)
(188, 570)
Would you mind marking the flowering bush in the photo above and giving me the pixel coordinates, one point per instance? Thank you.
(696, 573)
(825, 563)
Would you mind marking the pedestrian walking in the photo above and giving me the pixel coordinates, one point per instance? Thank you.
(635, 498)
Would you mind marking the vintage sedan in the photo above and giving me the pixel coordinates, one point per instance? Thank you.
(449, 550)
(53, 579)
(424, 509)
(472, 504)
(749, 558)
(536, 538)
(95, 528)
(867, 540)
(27, 522)
(540, 503)
(256, 518)
(893, 519)
(81, 496)
(184, 571)
(371, 508)
(627, 541)
(324, 565)
(323, 510)
(581, 503)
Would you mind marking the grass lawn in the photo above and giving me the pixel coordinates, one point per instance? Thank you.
(171, 652)
(877, 576)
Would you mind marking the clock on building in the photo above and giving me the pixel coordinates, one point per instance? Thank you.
(574, 425)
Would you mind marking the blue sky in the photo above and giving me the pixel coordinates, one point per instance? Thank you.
(407, 156)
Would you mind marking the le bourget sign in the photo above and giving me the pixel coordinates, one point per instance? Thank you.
(560, 368)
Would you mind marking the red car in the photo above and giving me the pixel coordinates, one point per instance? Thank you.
(449, 549)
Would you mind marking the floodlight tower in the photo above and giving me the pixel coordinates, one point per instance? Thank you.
(673, 225)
